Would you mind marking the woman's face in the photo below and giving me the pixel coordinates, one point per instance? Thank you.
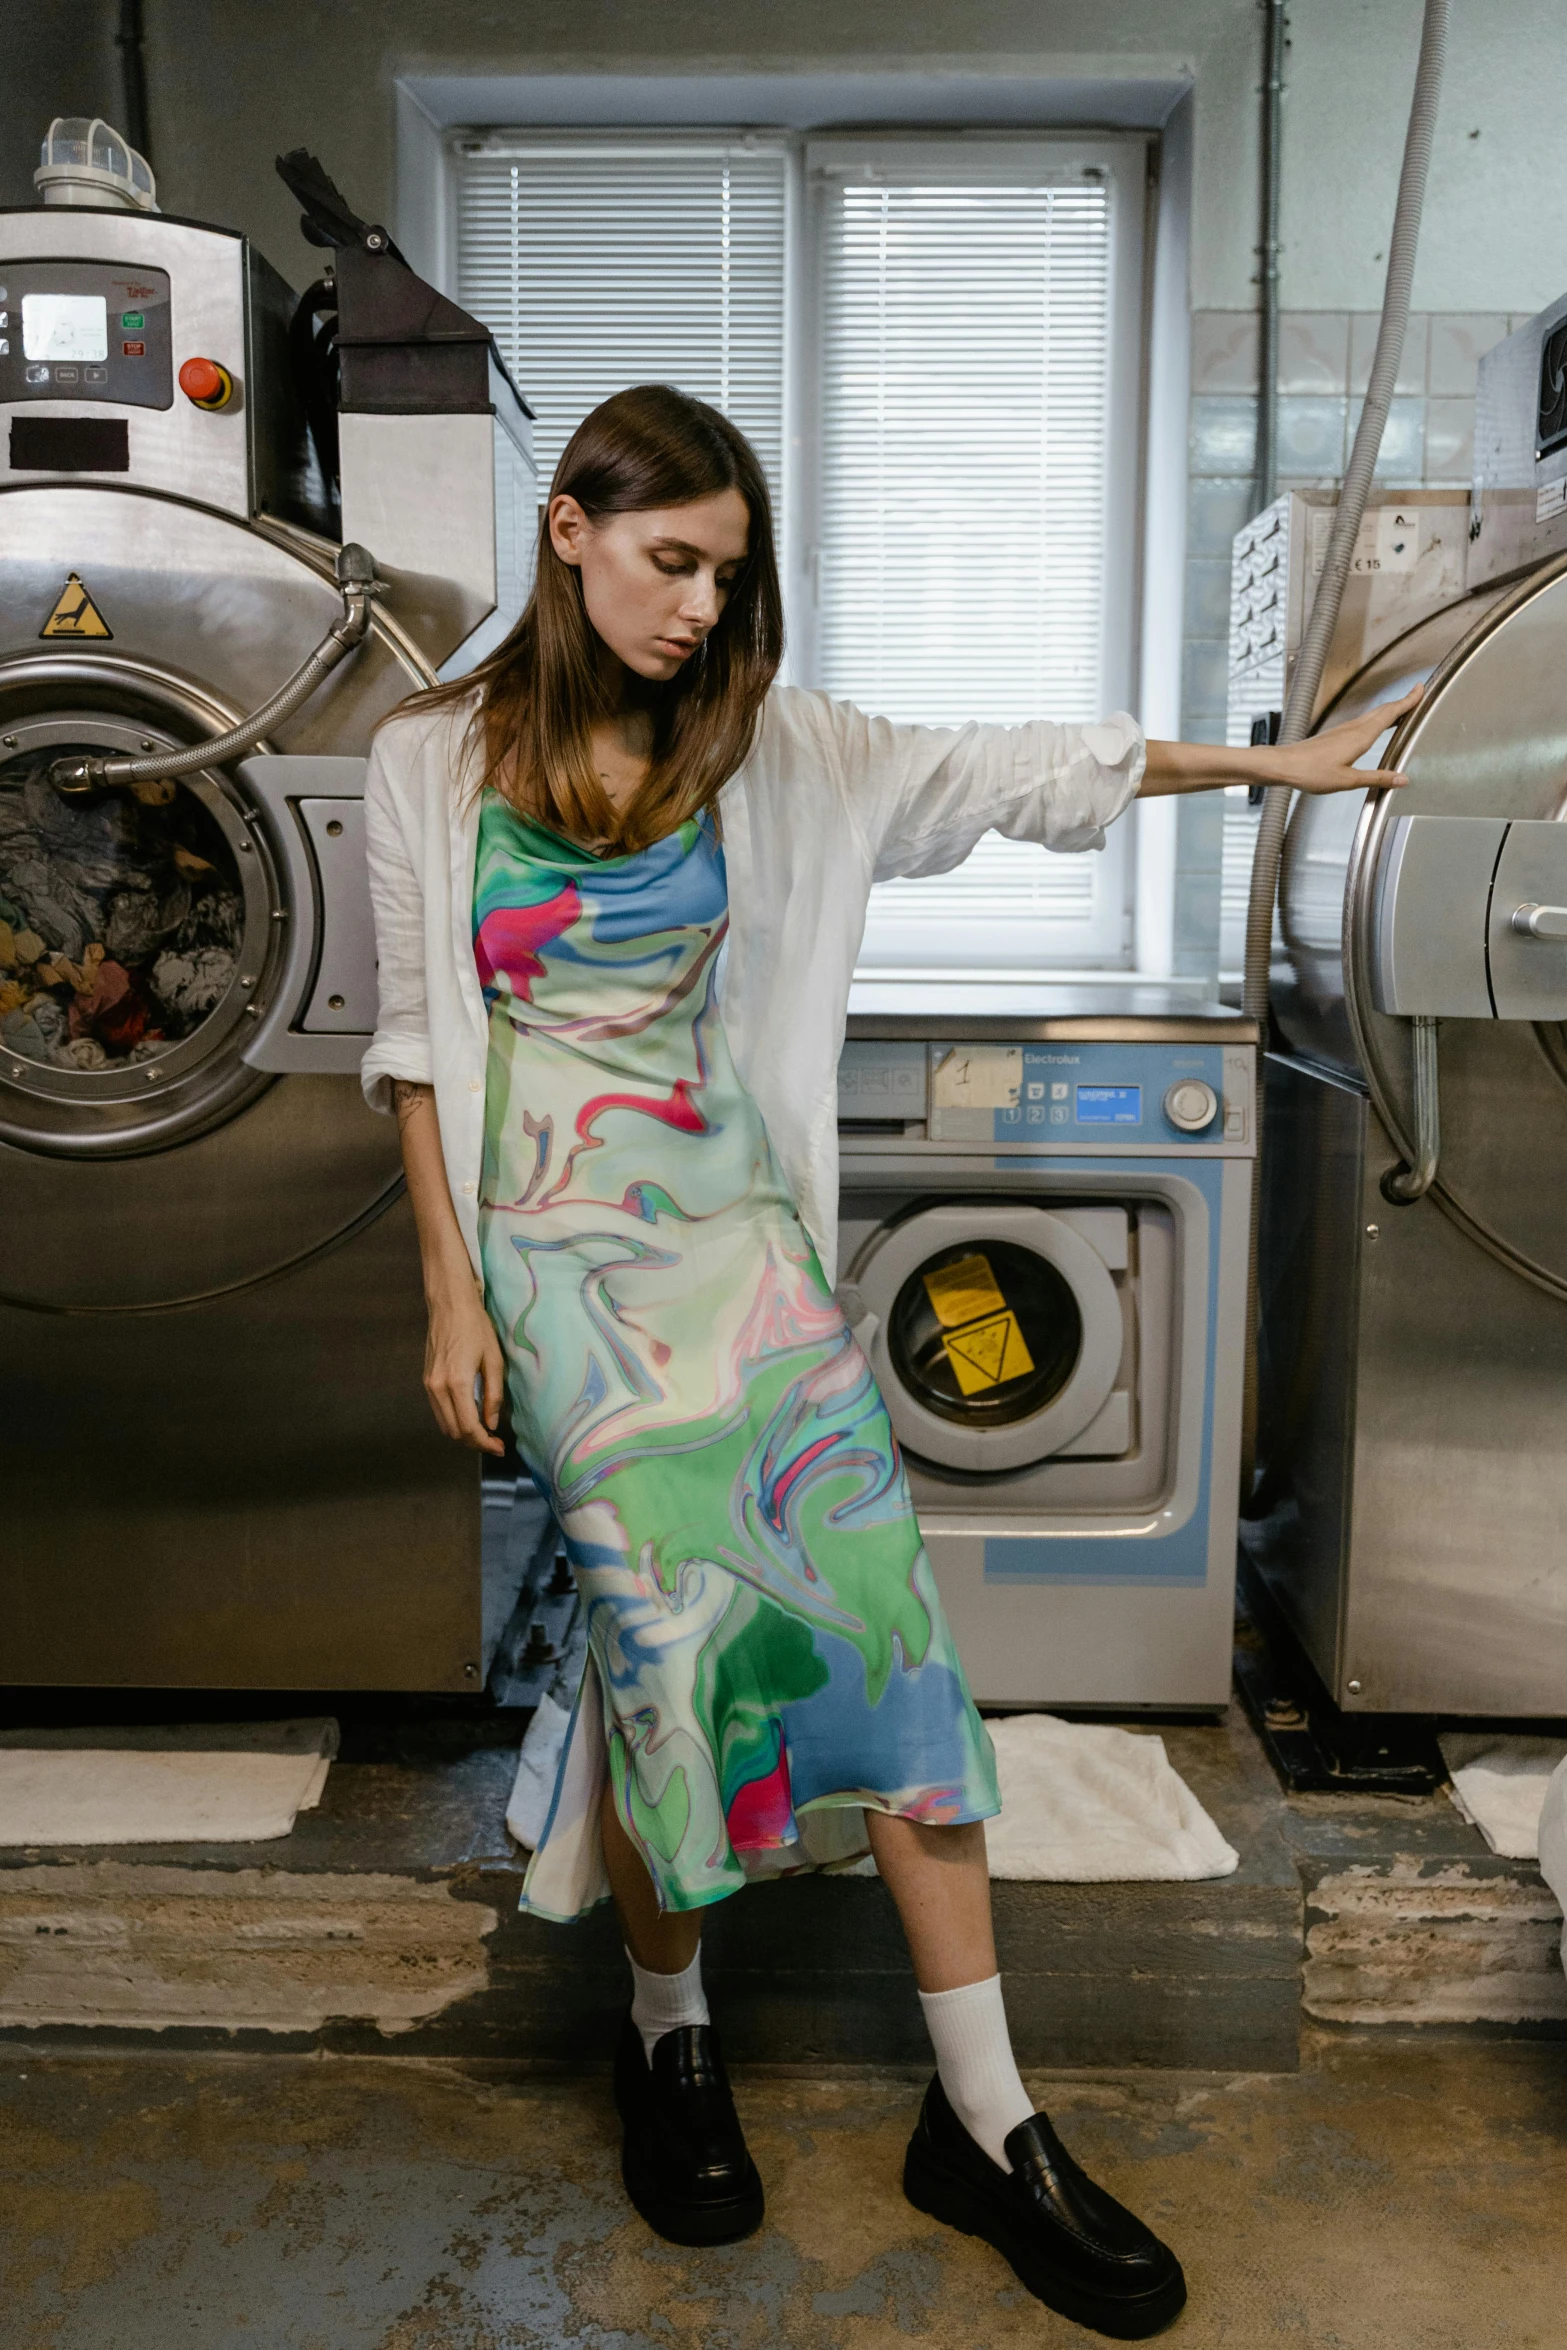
(654, 583)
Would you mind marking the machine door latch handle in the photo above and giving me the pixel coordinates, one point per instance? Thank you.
(1541, 921)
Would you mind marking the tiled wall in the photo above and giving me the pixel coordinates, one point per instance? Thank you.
(1324, 361)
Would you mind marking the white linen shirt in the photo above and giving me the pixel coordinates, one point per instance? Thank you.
(828, 802)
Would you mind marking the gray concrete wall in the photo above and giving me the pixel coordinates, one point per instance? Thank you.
(58, 59)
(230, 86)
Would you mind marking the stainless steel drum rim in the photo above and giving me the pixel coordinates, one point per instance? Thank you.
(1384, 1084)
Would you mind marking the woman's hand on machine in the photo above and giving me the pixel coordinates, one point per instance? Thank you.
(1326, 762)
(464, 1375)
(1322, 763)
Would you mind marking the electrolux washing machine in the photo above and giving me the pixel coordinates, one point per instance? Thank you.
(217, 1466)
(1044, 1231)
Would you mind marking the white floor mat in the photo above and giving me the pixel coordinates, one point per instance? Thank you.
(1082, 1803)
(185, 1783)
(1499, 1785)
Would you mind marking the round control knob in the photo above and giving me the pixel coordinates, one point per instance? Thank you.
(206, 384)
(1191, 1105)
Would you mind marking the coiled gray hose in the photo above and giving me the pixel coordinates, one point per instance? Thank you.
(1300, 703)
(357, 581)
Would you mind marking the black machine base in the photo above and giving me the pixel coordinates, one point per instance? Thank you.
(1313, 1745)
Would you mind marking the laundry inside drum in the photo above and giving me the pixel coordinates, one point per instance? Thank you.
(985, 1336)
(121, 918)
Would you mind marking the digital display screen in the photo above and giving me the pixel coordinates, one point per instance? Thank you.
(65, 326)
(1109, 1105)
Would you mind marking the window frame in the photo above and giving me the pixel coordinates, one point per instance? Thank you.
(1129, 158)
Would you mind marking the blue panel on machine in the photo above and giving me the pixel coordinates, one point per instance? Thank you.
(1081, 1089)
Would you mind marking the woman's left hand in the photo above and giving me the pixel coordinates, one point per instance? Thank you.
(1322, 763)
(1326, 762)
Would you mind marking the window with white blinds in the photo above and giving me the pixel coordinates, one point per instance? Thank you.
(599, 263)
(963, 324)
(968, 363)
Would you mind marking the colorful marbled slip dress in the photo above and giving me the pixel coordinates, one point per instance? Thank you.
(767, 1653)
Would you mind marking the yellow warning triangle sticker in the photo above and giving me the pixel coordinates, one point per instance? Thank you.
(987, 1353)
(75, 613)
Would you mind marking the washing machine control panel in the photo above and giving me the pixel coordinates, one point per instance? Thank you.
(1147, 1094)
(85, 330)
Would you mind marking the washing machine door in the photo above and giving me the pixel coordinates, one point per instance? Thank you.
(995, 1331)
(137, 932)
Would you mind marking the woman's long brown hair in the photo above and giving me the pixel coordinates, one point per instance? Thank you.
(541, 690)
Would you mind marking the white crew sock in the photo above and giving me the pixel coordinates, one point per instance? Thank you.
(968, 2030)
(661, 2003)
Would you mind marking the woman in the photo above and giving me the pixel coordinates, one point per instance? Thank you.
(620, 879)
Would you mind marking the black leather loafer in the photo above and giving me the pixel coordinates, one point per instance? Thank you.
(1074, 2246)
(684, 2157)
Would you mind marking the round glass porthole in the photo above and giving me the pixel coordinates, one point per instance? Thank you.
(135, 927)
(985, 1335)
(121, 918)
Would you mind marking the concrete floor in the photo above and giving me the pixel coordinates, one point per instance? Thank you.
(1393, 2195)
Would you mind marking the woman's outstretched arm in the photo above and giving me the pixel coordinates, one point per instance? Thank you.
(463, 1371)
(1322, 763)
(921, 797)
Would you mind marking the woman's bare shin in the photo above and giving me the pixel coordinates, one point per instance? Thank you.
(663, 1941)
(940, 1880)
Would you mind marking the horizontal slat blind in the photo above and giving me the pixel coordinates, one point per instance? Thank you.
(965, 404)
(596, 265)
(1010, 905)
(965, 408)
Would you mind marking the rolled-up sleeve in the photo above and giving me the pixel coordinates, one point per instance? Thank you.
(400, 1046)
(924, 796)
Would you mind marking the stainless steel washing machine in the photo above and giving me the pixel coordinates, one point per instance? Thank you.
(217, 1467)
(1412, 1491)
(1044, 1232)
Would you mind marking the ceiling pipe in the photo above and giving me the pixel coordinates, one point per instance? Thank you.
(1266, 468)
(133, 77)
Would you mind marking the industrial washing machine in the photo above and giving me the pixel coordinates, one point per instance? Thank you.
(1410, 1517)
(217, 1466)
(1044, 1230)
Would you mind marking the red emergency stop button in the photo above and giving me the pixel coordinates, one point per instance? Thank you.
(206, 384)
